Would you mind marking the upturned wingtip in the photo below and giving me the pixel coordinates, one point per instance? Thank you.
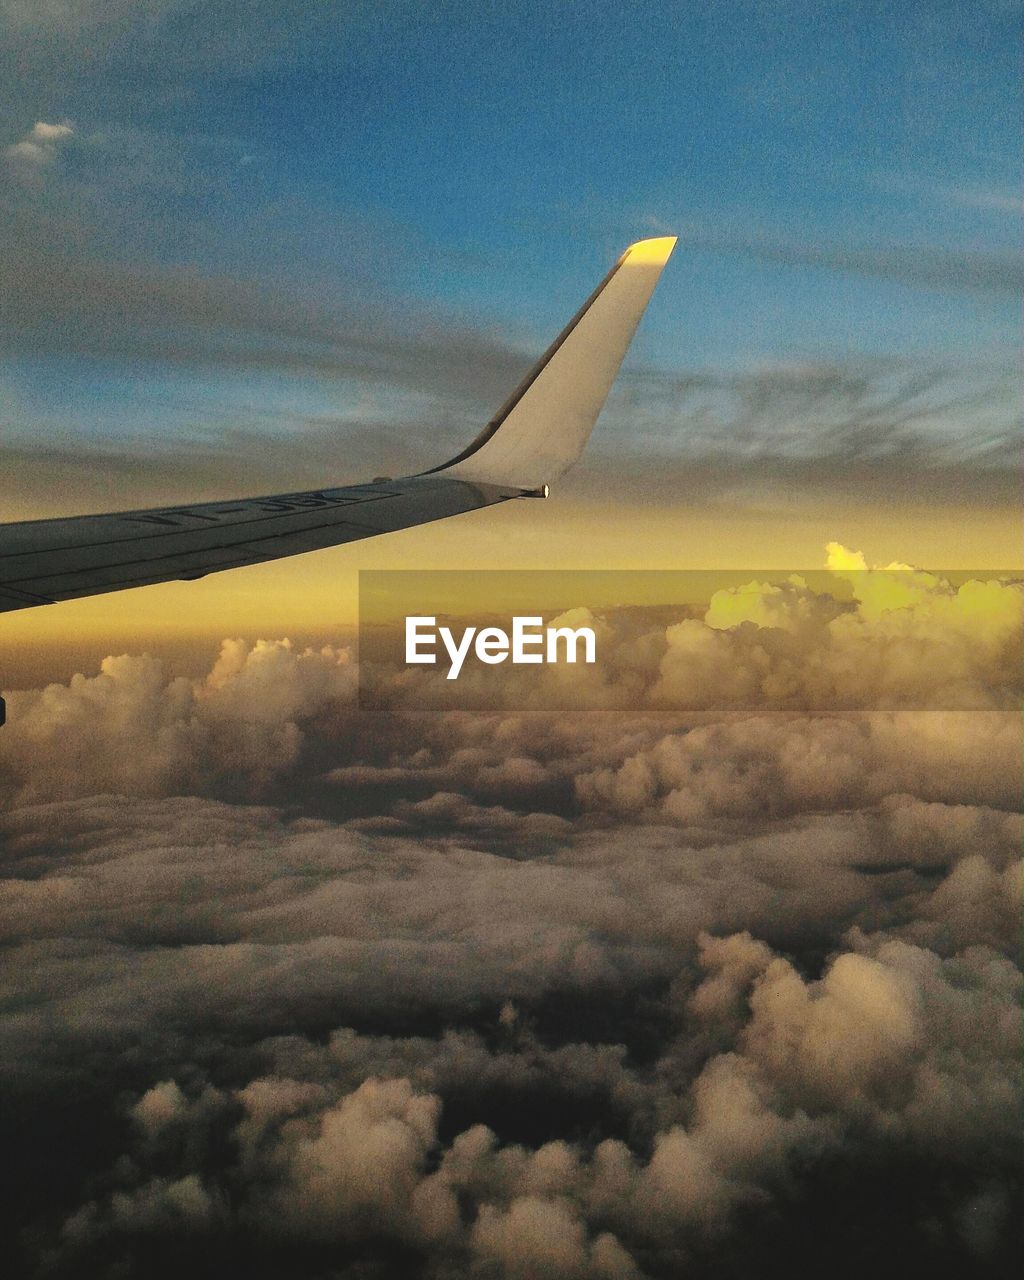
(656, 251)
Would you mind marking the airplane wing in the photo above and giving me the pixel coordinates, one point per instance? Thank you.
(537, 435)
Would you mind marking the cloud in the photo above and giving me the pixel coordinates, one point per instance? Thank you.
(268, 713)
(749, 443)
(761, 439)
(938, 267)
(50, 133)
(996, 201)
(334, 992)
(160, 1106)
(81, 303)
(76, 36)
(131, 729)
(868, 1056)
(355, 1170)
(40, 146)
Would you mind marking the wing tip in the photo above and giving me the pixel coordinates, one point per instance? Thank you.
(653, 252)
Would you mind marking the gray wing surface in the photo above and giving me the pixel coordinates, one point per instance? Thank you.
(45, 561)
(536, 436)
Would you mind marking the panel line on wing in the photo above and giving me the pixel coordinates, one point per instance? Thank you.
(168, 531)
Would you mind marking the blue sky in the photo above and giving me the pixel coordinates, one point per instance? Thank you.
(844, 178)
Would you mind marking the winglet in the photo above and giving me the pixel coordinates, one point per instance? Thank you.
(543, 427)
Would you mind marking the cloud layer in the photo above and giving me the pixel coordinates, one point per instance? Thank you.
(621, 995)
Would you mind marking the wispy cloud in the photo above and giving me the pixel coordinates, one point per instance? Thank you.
(766, 438)
(60, 301)
(939, 267)
(750, 440)
(992, 197)
(997, 201)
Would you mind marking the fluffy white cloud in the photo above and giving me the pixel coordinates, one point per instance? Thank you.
(40, 146)
(130, 728)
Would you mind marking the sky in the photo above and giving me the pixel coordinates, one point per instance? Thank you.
(252, 248)
(713, 972)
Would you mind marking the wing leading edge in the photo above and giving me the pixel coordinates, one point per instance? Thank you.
(537, 435)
